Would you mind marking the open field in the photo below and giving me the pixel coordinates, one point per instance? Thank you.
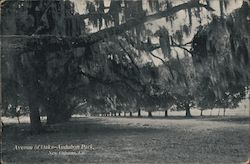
(132, 140)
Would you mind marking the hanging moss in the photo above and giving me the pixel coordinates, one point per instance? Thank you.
(164, 41)
(154, 5)
(221, 52)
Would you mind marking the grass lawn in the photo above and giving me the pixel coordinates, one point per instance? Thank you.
(131, 140)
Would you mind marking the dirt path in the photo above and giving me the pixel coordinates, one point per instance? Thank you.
(133, 140)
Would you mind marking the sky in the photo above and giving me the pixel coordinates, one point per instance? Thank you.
(81, 4)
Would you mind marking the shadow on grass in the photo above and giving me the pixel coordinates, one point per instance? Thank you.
(153, 117)
(76, 126)
(235, 119)
(232, 119)
(130, 143)
(85, 125)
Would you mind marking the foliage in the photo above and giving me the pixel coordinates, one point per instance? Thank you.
(72, 55)
(222, 60)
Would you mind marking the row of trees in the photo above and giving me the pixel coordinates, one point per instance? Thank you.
(51, 61)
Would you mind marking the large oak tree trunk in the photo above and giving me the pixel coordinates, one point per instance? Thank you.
(150, 114)
(139, 112)
(166, 113)
(35, 122)
(187, 108)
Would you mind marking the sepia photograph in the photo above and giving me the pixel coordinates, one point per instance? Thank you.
(125, 81)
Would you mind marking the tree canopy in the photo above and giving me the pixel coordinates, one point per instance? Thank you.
(121, 55)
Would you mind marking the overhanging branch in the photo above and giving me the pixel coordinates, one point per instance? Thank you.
(117, 30)
(55, 43)
(108, 82)
(130, 57)
(149, 47)
(164, 62)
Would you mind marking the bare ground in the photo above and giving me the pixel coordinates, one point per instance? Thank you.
(134, 140)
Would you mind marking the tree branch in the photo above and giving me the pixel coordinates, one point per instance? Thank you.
(130, 57)
(108, 82)
(117, 30)
(53, 43)
(181, 46)
(164, 62)
(148, 47)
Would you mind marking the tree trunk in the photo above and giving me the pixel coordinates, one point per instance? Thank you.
(119, 114)
(139, 112)
(211, 112)
(201, 113)
(18, 120)
(166, 113)
(124, 114)
(35, 122)
(114, 113)
(224, 112)
(188, 113)
(219, 112)
(150, 114)
(130, 114)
